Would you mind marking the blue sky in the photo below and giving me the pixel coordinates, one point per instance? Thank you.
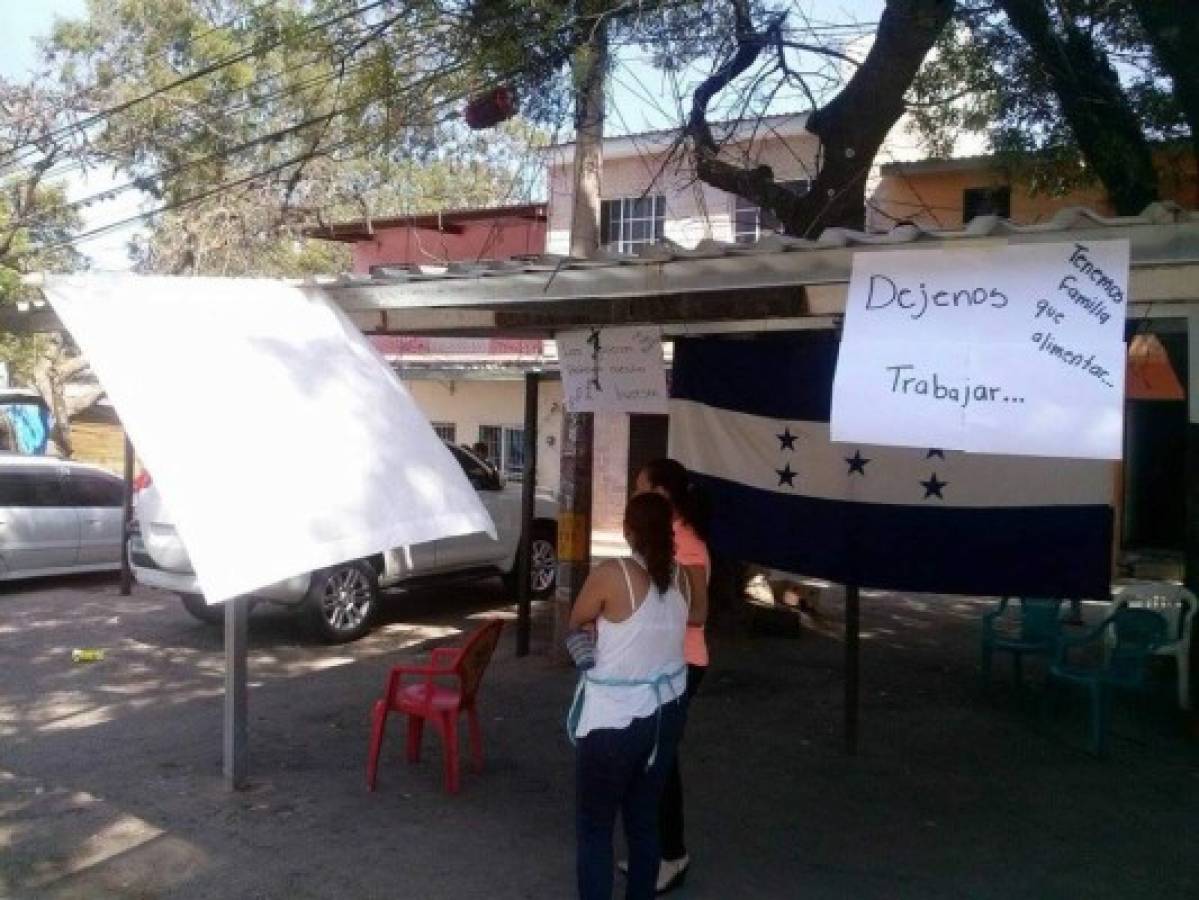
(24, 20)
(641, 97)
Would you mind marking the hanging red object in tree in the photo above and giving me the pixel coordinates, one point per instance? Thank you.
(489, 109)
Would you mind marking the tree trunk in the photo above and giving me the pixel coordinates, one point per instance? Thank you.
(1093, 102)
(52, 372)
(851, 127)
(1173, 30)
(589, 66)
(854, 124)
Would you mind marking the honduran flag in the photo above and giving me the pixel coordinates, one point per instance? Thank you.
(750, 418)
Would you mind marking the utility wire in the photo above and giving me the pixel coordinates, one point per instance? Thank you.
(229, 185)
(261, 140)
(202, 72)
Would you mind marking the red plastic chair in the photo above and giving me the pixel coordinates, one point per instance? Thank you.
(428, 701)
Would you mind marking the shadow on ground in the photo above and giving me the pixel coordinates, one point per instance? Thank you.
(110, 772)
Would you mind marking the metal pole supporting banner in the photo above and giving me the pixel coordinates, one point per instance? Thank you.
(852, 635)
(235, 727)
(528, 497)
(126, 521)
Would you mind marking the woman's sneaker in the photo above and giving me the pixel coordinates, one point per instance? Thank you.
(672, 873)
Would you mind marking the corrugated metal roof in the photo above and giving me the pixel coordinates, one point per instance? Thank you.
(537, 295)
(461, 297)
(364, 229)
(1066, 220)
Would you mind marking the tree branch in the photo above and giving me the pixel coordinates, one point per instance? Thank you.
(1094, 104)
(851, 127)
(83, 402)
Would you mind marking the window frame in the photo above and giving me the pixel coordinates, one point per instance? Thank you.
(447, 431)
(621, 220)
(986, 200)
(506, 452)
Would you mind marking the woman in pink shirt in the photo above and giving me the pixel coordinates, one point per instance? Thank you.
(670, 478)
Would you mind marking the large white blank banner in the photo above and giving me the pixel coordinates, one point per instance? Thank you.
(281, 442)
(1011, 350)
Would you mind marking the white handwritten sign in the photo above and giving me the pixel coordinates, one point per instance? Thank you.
(1016, 350)
(613, 370)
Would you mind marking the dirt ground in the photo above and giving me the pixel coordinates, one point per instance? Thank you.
(110, 772)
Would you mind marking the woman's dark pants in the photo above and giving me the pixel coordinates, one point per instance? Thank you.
(670, 812)
(613, 776)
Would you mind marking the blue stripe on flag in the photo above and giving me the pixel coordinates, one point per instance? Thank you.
(787, 376)
(1058, 551)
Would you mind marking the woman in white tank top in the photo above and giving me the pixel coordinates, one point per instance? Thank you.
(627, 714)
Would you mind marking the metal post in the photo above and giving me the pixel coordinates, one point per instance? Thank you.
(528, 498)
(852, 635)
(236, 616)
(574, 520)
(126, 519)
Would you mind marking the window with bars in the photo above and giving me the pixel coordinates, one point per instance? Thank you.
(627, 223)
(505, 449)
(447, 431)
(750, 221)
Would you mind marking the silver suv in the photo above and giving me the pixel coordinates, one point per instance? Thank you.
(341, 601)
(58, 517)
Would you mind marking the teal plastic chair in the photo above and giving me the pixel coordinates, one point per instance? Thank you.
(1124, 642)
(1036, 633)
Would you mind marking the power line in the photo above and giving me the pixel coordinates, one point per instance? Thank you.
(182, 129)
(271, 137)
(229, 185)
(339, 71)
(203, 72)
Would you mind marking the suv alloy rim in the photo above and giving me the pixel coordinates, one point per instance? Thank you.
(346, 598)
(544, 564)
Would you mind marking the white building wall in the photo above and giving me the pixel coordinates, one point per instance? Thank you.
(469, 404)
(694, 211)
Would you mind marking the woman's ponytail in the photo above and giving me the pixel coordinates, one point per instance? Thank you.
(648, 521)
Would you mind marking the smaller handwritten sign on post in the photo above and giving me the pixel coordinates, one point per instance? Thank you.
(613, 370)
(1014, 350)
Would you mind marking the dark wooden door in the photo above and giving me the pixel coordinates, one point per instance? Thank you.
(647, 440)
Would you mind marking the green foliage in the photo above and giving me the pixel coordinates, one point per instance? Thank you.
(984, 80)
(33, 226)
(311, 110)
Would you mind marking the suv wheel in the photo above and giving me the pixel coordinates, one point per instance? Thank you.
(211, 615)
(342, 600)
(543, 564)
